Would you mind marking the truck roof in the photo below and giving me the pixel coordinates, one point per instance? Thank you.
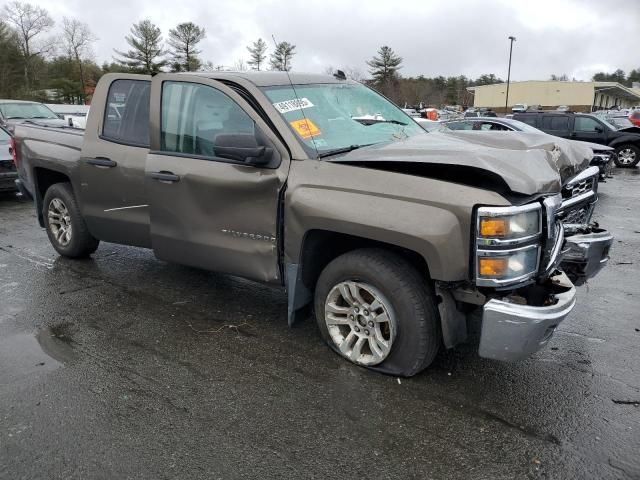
(268, 79)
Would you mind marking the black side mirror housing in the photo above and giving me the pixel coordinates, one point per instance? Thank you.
(242, 147)
(599, 129)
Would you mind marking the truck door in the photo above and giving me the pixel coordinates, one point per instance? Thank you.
(111, 170)
(213, 178)
(588, 129)
(555, 124)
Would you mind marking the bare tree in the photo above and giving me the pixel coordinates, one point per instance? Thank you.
(78, 39)
(240, 66)
(30, 22)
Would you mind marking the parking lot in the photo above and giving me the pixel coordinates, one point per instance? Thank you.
(123, 366)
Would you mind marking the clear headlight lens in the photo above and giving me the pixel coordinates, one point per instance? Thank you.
(508, 265)
(507, 223)
(508, 244)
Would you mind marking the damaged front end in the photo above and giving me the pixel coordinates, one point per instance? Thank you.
(521, 312)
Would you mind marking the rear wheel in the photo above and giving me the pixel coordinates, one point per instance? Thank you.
(65, 226)
(376, 310)
(627, 156)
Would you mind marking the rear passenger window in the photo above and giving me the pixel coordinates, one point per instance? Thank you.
(555, 122)
(126, 117)
(528, 119)
(196, 118)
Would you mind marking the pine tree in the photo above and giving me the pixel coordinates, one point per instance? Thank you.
(384, 67)
(184, 40)
(257, 54)
(282, 56)
(145, 55)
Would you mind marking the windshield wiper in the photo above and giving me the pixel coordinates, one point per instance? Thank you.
(338, 151)
(40, 118)
(371, 121)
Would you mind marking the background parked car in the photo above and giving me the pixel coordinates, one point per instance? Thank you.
(603, 156)
(19, 111)
(634, 118)
(519, 107)
(589, 128)
(8, 172)
(74, 115)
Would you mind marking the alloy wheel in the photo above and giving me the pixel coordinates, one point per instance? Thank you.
(360, 321)
(626, 156)
(59, 221)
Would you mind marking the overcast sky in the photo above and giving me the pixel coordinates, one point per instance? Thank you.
(435, 37)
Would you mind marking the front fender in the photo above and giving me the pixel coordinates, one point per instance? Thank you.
(427, 216)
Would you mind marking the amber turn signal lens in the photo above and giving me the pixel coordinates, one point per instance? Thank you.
(493, 267)
(493, 227)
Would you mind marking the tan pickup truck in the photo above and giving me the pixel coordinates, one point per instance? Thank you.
(398, 237)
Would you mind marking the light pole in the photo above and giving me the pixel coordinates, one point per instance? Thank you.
(506, 101)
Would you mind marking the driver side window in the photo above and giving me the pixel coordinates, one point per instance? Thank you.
(195, 117)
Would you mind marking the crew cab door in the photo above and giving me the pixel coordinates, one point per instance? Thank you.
(555, 124)
(110, 174)
(588, 129)
(213, 179)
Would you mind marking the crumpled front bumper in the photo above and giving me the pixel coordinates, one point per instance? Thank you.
(585, 253)
(513, 331)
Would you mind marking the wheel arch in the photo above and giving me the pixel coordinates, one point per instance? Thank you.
(319, 247)
(43, 179)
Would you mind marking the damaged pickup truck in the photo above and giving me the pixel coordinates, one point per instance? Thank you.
(396, 236)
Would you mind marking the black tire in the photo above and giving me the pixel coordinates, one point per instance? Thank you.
(82, 243)
(410, 293)
(620, 149)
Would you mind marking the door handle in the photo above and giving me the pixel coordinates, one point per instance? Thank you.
(102, 162)
(166, 177)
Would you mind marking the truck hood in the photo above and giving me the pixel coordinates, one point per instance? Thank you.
(524, 163)
(633, 130)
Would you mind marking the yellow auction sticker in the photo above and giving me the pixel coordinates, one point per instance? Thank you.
(305, 128)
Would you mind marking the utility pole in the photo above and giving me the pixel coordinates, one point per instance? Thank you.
(506, 101)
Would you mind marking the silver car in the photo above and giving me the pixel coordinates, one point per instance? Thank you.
(8, 173)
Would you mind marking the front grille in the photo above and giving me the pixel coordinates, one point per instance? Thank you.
(579, 197)
(580, 216)
(571, 191)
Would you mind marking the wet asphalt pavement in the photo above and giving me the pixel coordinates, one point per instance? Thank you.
(125, 367)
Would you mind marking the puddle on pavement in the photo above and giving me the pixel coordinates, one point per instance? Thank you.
(31, 353)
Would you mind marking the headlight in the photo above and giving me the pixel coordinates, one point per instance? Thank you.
(507, 244)
(508, 225)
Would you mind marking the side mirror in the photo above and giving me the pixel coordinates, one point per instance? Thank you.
(242, 147)
(60, 116)
(599, 129)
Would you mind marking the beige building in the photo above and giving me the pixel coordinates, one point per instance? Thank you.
(580, 96)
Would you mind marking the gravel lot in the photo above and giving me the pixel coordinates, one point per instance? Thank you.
(123, 366)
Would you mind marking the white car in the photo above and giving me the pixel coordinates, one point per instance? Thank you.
(519, 107)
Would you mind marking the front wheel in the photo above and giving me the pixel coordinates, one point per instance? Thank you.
(376, 310)
(65, 226)
(627, 156)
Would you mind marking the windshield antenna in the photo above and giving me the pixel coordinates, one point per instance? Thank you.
(306, 121)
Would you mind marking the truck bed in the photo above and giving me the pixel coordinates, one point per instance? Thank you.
(38, 146)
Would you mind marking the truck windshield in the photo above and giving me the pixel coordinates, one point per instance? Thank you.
(340, 117)
(26, 111)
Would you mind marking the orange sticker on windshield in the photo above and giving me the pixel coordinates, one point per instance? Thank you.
(305, 128)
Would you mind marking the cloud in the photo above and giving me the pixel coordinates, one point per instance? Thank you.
(463, 37)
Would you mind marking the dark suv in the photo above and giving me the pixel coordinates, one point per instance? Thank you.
(588, 128)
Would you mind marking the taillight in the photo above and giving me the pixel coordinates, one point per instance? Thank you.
(14, 152)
